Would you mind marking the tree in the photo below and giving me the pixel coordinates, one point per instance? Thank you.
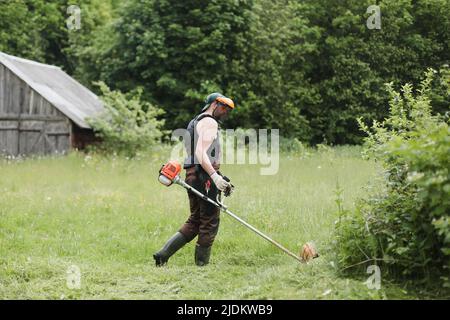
(128, 125)
(273, 80)
(177, 50)
(37, 30)
(355, 61)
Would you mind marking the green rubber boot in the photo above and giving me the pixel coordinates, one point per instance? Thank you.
(202, 255)
(172, 245)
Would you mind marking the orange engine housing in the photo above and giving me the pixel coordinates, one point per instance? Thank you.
(170, 170)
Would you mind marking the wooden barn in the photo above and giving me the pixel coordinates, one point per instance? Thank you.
(42, 109)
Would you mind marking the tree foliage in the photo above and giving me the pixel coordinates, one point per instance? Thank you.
(309, 67)
(37, 30)
(128, 125)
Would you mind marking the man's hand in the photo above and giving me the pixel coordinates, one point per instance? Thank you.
(220, 182)
(229, 190)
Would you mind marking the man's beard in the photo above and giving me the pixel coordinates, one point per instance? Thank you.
(221, 117)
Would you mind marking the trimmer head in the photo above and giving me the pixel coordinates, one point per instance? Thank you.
(309, 252)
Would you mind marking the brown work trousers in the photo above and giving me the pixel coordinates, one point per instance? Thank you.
(205, 217)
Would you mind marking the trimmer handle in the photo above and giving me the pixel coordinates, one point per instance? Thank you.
(229, 190)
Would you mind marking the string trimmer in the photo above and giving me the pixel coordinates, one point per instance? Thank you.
(169, 174)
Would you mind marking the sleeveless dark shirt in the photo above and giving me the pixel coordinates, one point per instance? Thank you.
(190, 143)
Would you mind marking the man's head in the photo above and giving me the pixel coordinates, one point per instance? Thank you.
(218, 106)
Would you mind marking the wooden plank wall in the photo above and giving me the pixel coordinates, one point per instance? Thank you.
(29, 124)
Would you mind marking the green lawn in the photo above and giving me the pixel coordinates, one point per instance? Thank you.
(107, 216)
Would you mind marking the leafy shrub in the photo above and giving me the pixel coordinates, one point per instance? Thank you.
(294, 146)
(128, 125)
(405, 223)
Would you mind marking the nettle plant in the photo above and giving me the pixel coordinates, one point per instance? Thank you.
(404, 224)
(129, 125)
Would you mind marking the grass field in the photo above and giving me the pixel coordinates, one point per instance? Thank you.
(107, 217)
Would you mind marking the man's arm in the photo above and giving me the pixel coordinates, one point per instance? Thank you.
(207, 132)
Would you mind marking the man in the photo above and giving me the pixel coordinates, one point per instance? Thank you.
(202, 165)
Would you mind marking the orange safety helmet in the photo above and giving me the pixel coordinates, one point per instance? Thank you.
(216, 96)
(226, 101)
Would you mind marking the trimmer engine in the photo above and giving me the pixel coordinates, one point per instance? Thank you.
(169, 173)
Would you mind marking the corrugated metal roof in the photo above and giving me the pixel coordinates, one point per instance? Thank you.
(57, 87)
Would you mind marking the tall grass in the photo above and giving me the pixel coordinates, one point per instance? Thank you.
(108, 215)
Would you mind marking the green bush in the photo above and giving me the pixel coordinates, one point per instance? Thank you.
(405, 223)
(295, 147)
(128, 125)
